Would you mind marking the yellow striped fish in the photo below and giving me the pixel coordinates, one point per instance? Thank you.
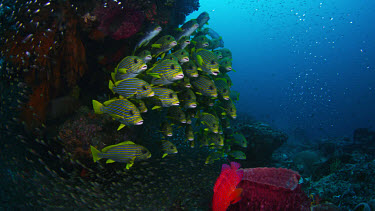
(121, 110)
(129, 67)
(163, 45)
(166, 72)
(167, 96)
(201, 42)
(132, 87)
(230, 108)
(145, 55)
(183, 42)
(182, 55)
(168, 148)
(222, 88)
(225, 65)
(190, 69)
(176, 114)
(124, 152)
(188, 99)
(140, 105)
(207, 61)
(189, 133)
(205, 86)
(210, 121)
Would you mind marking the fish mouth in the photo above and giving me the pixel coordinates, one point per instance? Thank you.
(193, 105)
(211, 104)
(188, 86)
(196, 25)
(187, 41)
(185, 59)
(174, 43)
(148, 57)
(215, 72)
(234, 116)
(183, 121)
(151, 94)
(191, 139)
(216, 131)
(226, 98)
(214, 95)
(144, 67)
(205, 44)
(229, 68)
(144, 111)
(169, 134)
(179, 76)
(139, 123)
(220, 57)
(158, 29)
(176, 104)
(194, 75)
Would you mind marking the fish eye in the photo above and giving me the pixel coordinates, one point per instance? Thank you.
(172, 66)
(213, 62)
(135, 61)
(171, 147)
(168, 38)
(211, 87)
(144, 87)
(224, 90)
(231, 109)
(170, 95)
(144, 151)
(188, 97)
(131, 112)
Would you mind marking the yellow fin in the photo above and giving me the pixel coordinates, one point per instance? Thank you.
(97, 107)
(110, 161)
(233, 70)
(106, 103)
(162, 55)
(113, 75)
(110, 86)
(120, 127)
(122, 70)
(95, 153)
(155, 75)
(156, 107)
(165, 154)
(156, 45)
(199, 60)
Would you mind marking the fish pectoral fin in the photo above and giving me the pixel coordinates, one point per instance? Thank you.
(110, 161)
(165, 154)
(155, 107)
(156, 45)
(235, 196)
(122, 70)
(120, 127)
(130, 163)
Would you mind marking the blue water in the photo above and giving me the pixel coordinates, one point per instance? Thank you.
(301, 64)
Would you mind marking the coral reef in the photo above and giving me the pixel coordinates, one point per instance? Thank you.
(262, 141)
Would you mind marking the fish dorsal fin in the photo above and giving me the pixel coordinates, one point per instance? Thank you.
(118, 82)
(235, 165)
(225, 167)
(120, 127)
(106, 103)
(105, 149)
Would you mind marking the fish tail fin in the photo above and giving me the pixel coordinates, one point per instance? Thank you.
(97, 107)
(95, 154)
(113, 75)
(111, 86)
